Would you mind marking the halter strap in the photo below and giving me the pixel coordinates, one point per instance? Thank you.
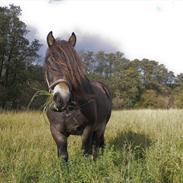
(57, 82)
(50, 86)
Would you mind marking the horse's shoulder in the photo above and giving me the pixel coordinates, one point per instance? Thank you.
(102, 87)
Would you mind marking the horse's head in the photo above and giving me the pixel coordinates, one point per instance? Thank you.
(60, 68)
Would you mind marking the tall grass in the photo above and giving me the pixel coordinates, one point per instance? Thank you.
(141, 146)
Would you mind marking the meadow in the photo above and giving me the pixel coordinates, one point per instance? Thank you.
(142, 146)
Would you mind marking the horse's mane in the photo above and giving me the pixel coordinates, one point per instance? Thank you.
(63, 61)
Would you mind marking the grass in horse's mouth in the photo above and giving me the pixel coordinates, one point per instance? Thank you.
(44, 93)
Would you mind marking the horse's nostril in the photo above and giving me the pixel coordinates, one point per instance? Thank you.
(78, 128)
(58, 100)
(56, 97)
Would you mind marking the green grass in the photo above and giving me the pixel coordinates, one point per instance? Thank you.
(141, 146)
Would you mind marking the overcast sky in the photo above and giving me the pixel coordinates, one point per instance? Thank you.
(139, 29)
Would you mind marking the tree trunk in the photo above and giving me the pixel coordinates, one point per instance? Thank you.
(1, 69)
(1, 66)
(8, 67)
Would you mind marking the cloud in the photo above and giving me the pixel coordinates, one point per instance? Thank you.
(92, 42)
(85, 42)
(32, 33)
(51, 1)
(31, 36)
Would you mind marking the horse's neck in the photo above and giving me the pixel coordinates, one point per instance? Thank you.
(83, 92)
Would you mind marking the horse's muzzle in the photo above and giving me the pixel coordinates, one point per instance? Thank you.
(58, 102)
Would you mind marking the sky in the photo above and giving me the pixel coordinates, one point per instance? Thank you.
(140, 29)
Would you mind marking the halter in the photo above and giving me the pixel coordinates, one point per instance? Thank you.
(52, 85)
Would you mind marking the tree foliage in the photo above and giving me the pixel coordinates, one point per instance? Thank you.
(17, 54)
(134, 84)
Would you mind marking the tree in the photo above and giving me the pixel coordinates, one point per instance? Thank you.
(16, 55)
(132, 82)
(128, 86)
(154, 76)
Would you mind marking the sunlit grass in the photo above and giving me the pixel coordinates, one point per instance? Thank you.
(141, 146)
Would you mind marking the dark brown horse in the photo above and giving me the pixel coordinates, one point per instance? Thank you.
(81, 107)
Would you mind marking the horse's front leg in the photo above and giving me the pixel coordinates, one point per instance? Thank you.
(87, 140)
(61, 141)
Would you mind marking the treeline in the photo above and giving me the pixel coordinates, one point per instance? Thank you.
(134, 83)
(137, 83)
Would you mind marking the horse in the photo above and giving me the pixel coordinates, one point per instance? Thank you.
(81, 106)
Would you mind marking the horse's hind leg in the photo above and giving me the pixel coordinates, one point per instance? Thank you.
(102, 142)
(87, 140)
(61, 141)
(98, 142)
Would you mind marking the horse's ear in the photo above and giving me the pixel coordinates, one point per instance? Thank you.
(72, 39)
(50, 39)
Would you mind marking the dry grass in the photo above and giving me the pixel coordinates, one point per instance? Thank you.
(142, 146)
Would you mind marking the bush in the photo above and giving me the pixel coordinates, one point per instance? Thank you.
(178, 98)
(151, 99)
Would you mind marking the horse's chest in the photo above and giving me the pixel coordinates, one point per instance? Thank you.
(68, 123)
(74, 122)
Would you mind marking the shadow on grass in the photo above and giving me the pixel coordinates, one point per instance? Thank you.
(134, 142)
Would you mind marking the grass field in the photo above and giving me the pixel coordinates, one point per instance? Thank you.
(141, 146)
